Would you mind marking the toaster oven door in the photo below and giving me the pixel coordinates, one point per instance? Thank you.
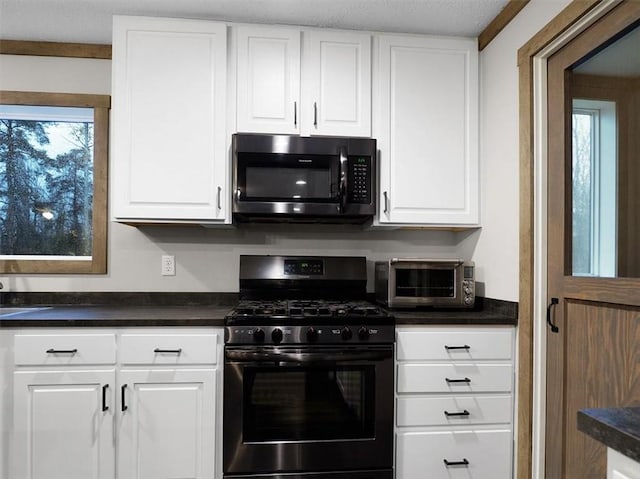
(426, 283)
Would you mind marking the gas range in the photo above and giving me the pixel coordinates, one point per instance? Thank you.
(305, 300)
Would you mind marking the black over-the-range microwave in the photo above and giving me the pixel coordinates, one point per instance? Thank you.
(303, 179)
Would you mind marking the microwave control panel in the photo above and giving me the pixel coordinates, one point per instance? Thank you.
(359, 179)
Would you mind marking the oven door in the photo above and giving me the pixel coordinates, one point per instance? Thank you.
(307, 409)
(425, 283)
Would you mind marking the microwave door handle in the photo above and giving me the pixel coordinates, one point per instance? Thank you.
(343, 180)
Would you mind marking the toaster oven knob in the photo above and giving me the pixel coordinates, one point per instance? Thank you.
(346, 333)
(276, 335)
(468, 300)
(363, 333)
(312, 334)
(258, 335)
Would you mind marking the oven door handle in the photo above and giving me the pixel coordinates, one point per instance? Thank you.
(306, 358)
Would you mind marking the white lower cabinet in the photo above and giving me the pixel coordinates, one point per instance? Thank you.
(167, 424)
(454, 409)
(78, 408)
(63, 424)
(620, 466)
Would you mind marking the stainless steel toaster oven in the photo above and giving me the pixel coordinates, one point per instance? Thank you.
(413, 282)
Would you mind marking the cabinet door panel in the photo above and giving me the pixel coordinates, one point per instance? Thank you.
(60, 428)
(428, 130)
(340, 84)
(422, 454)
(268, 93)
(168, 428)
(169, 81)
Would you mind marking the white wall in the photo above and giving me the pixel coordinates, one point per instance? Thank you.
(207, 259)
(496, 252)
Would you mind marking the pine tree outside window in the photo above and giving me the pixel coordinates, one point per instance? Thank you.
(53, 176)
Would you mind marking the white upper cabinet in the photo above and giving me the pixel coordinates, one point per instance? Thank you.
(427, 130)
(169, 115)
(268, 81)
(323, 89)
(337, 100)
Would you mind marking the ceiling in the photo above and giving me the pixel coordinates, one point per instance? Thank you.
(89, 21)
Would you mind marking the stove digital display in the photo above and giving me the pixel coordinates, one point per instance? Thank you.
(304, 267)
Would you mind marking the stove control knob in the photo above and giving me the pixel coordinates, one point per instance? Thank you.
(346, 333)
(258, 335)
(276, 335)
(363, 333)
(312, 334)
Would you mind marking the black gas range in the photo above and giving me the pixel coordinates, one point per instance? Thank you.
(308, 373)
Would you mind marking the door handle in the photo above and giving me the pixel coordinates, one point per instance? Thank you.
(104, 398)
(123, 404)
(295, 114)
(218, 198)
(315, 115)
(386, 202)
(554, 328)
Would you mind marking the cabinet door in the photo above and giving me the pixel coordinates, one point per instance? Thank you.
(338, 78)
(169, 94)
(63, 425)
(428, 130)
(268, 83)
(167, 428)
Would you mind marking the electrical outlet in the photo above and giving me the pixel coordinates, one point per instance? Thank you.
(5, 284)
(168, 265)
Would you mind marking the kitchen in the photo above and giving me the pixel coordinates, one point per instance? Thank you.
(207, 259)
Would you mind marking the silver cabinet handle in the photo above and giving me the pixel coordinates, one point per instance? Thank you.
(386, 202)
(218, 198)
(315, 115)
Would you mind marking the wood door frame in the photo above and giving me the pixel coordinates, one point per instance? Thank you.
(532, 62)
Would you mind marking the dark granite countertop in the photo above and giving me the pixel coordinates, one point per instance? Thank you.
(115, 316)
(485, 312)
(617, 428)
(194, 309)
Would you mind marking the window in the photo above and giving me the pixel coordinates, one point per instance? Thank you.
(53, 176)
(594, 191)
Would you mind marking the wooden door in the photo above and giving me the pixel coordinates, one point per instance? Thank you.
(593, 360)
(167, 424)
(63, 425)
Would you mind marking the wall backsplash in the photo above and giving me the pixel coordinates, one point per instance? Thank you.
(207, 259)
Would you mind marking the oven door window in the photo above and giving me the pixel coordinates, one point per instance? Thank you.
(288, 178)
(310, 403)
(425, 283)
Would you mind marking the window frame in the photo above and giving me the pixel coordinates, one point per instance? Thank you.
(98, 263)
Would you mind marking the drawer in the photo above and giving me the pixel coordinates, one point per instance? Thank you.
(64, 349)
(449, 345)
(423, 454)
(166, 349)
(454, 378)
(453, 410)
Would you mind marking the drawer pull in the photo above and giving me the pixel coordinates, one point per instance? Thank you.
(168, 351)
(454, 414)
(466, 347)
(104, 398)
(464, 463)
(456, 381)
(61, 351)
